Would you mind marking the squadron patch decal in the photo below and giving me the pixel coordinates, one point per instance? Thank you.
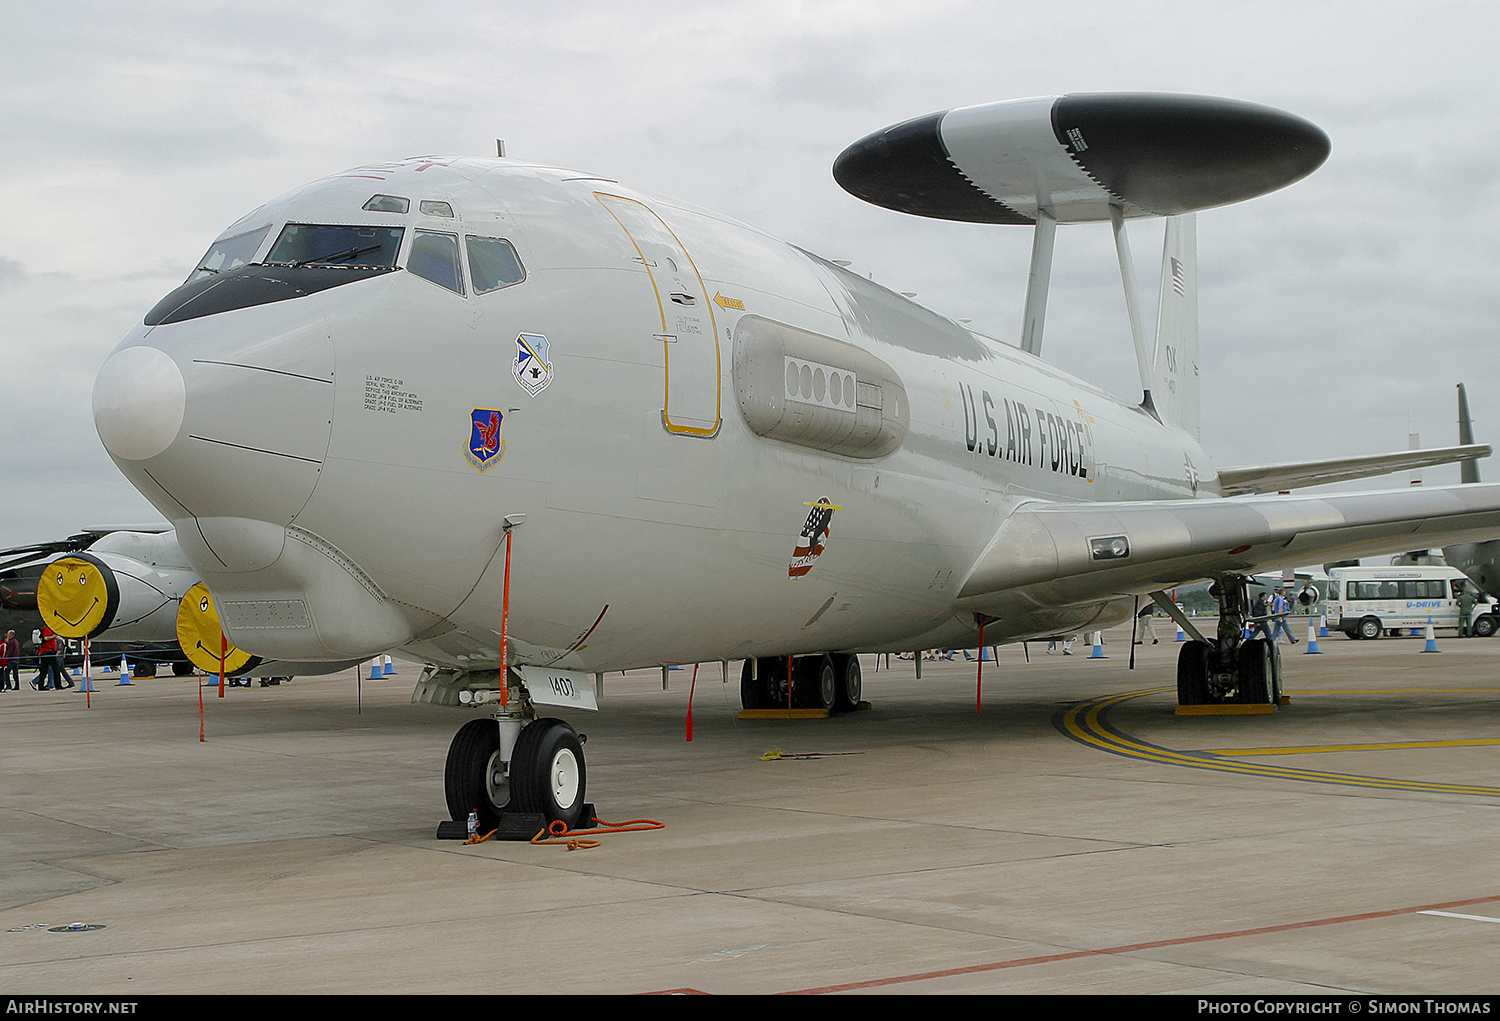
(532, 367)
(486, 445)
(814, 537)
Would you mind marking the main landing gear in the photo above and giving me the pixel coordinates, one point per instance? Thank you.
(515, 762)
(1229, 669)
(828, 681)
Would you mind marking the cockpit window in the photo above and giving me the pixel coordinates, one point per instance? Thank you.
(231, 253)
(432, 207)
(387, 204)
(434, 257)
(303, 244)
(493, 264)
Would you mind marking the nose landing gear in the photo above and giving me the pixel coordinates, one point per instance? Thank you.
(514, 763)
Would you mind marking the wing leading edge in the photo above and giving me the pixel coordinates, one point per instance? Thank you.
(1054, 554)
(1268, 478)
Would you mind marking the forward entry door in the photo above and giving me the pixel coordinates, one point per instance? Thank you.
(689, 334)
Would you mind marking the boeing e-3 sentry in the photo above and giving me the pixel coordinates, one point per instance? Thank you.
(526, 424)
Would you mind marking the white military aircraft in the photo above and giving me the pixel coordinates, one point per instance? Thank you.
(526, 424)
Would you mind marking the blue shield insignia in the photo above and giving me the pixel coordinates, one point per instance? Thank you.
(532, 367)
(486, 445)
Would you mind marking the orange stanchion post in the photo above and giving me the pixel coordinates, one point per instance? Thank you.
(979, 681)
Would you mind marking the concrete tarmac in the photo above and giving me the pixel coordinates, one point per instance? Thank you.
(1076, 836)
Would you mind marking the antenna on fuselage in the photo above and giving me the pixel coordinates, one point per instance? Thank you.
(500, 147)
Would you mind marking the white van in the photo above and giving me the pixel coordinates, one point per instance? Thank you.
(1367, 602)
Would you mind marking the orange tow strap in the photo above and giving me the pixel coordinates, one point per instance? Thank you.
(574, 840)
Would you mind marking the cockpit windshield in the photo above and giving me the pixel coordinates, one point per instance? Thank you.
(302, 244)
(231, 253)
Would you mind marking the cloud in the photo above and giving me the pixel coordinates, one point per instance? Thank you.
(1337, 314)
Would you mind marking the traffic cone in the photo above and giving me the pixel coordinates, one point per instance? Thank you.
(388, 668)
(1181, 634)
(1312, 641)
(1431, 638)
(1098, 652)
(1323, 626)
(375, 673)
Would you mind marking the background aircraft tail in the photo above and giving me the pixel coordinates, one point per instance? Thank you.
(1470, 469)
(1174, 384)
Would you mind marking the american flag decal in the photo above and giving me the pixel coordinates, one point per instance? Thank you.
(814, 537)
(1179, 277)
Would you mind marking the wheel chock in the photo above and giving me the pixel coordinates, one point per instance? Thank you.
(512, 826)
(785, 714)
(1226, 709)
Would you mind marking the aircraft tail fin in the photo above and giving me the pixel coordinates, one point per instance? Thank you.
(1469, 470)
(1174, 388)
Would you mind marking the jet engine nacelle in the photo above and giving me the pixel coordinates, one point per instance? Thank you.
(126, 587)
(1073, 157)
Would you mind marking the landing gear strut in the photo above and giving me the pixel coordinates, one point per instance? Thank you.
(514, 762)
(1229, 668)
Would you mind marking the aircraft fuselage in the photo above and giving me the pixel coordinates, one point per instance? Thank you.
(722, 446)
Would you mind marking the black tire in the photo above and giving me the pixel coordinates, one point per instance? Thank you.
(469, 778)
(1275, 674)
(768, 691)
(1254, 674)
(182, 668)
(1192, 673)
(814, 682)
(1484, 625)
(752, 689)
(144, 668)
(1369, 627)
(547, 772)
(851, 685)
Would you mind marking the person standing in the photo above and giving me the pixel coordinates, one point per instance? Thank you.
(46, 661)
(1465, 609)
(1146, 619)
(1258, 614)
(10, 663)
(1279, 610)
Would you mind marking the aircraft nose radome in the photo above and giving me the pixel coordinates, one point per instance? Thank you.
(228, 415)
(139, 402)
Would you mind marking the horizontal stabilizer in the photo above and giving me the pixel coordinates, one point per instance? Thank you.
(1269, 478)
(1075, 156)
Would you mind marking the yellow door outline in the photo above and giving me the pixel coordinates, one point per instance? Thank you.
(691, 363)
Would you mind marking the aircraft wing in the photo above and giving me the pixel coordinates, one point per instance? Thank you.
(1057, 554)
(1269, 478)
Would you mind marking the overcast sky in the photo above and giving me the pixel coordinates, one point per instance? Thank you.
(1337, 315)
